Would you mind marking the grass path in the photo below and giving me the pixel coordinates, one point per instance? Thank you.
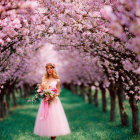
(86, 121)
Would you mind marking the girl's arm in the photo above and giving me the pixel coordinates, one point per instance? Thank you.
(58, 87)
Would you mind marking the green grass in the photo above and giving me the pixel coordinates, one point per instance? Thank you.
(86, 121)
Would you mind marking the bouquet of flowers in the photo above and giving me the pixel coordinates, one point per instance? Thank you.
(44, 93)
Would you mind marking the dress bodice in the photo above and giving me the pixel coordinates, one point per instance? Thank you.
(50, 85)
(53, 84)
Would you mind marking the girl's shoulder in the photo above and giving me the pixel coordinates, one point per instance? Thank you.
(58, 80)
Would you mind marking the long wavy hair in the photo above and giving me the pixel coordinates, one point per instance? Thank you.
(54, 74)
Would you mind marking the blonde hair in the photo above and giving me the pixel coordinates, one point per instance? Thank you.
(54, 74)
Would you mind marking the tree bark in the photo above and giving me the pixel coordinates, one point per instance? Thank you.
(1, 105)
(112, 102)
(123, 113)
(95, 97)
(14, 99)
(89, 95)
(8, 99)
(77, 90)
(25, 87)
(104, 104)
(73, 87)
(134, 108)
(83, 92)
(5, 111)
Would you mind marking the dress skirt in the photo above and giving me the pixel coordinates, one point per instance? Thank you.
(51, 119)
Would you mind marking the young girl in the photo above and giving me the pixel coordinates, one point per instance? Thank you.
(51, 119)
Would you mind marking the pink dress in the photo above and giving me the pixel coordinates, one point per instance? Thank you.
(51, 119)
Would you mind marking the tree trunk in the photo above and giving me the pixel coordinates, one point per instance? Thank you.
(95, 97)
(25, 87)
(1, 105)
(14, 99)
(104, 105)
(112, 102)
(8, 99)
(8, 93)
(80, 91)
(73, 89)
(123, 114)
(5, 111)
(77, 90)
(134, 108)
(89, 95)
(83, 93)
(68, 86)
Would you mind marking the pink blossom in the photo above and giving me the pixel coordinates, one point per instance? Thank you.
(116, 29)
(29, 4)
(8, 39)
(1, 42)
(137, 97)
(137, 70)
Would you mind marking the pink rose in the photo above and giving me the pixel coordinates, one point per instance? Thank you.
(42, 88)
(54, 90)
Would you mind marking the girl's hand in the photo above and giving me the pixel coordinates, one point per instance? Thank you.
(46, 98)
(57, 94)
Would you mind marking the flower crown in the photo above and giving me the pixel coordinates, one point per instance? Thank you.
(53, 65)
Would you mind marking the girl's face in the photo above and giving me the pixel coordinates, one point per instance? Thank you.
(49, 70)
